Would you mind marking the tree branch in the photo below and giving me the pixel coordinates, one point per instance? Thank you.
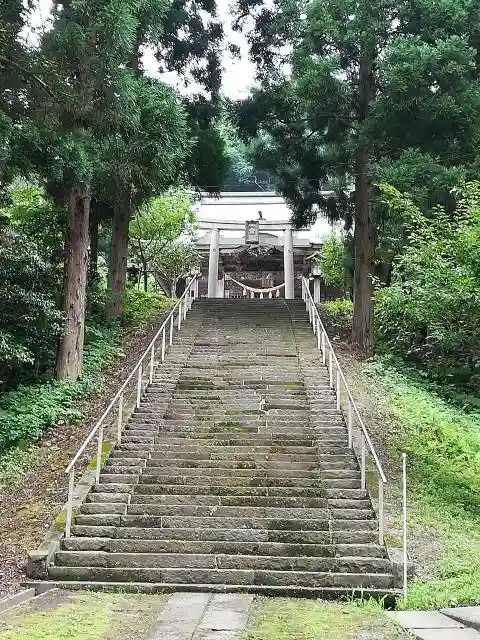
(29, 72)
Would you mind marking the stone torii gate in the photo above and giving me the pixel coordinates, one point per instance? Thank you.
(215, 227)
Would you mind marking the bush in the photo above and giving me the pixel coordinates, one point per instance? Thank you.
(430, 314)
(341, 309)
(334, 261)
(29, 410)
(29, 319)
(142, 306)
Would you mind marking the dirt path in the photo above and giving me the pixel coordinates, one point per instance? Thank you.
(28, 508)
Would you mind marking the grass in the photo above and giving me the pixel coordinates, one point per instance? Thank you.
(443, 448)
(82, 616)
(290, 619)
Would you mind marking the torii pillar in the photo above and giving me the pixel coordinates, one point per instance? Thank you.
(288, 264)
(213, 263)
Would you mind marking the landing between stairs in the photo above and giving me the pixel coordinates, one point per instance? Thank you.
(234, 474)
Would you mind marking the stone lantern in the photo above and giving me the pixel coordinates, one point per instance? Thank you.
(317, 273)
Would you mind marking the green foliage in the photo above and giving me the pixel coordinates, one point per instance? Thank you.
(143, 306)
(442, 444)
(341, 309)
(176, 261)
(242, 175)
(151, 149)
(26, 412)
(15, 463)
(158, 223)
(30, 210)
(431, 312)
(209, 163)
(334, 261)
(29, 319)
(415, 116)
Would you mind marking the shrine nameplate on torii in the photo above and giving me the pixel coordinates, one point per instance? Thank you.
(252, 232)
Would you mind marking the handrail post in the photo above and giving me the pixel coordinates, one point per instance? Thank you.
(381, 519)
(120, 419)
(179, 315)
(339, 390)
(185, 305)
(163, 345)
(314, 322)
(363, 463)
(330, 367)
(152, 363)
(405, 556)
(324, 355)
(139, 385)
(350, 424)
(172, 320)
(71, 486)
(319, 334)
(99, 454)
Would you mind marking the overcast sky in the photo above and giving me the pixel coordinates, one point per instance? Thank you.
(238, 74)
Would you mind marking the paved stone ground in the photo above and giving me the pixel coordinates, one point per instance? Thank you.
(462, 623)
(203, 616)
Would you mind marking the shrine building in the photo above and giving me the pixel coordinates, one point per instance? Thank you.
(249, 248)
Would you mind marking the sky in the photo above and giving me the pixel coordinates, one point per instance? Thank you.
(237, 79)
(238, 73)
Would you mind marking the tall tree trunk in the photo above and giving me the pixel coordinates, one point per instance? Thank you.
(117, 268)
(362, 328)
(70, 351)
(93, 262)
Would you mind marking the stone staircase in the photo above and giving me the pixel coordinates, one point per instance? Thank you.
(234, 474)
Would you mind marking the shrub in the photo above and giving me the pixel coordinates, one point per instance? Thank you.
(334, 261)
(29, 410)
(341, 309)
(29, 319)
(142, 306)
(431, 312)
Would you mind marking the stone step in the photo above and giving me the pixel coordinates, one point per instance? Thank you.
(260, 521)
(234, 473)
(110, 545)
(341, 483)
(235, 440)
(139, 560)
(387, 596)
(233, 465)
(201, 449)
(225, 456)
(368, 537)
(212, 522)
(228, 501)
(218, 490)
(223, 511)
(218, 480)
(223, 576)
(239, 473)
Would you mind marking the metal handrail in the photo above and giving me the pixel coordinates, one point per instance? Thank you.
(181, 308)
(337, 379)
